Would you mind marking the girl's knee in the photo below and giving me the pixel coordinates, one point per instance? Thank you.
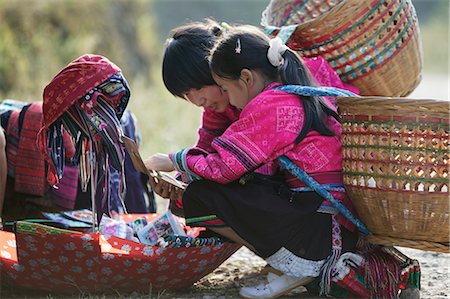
(195, 186)
(195, 190)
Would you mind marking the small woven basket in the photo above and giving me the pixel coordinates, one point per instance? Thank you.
(374, 45)
(396, 164)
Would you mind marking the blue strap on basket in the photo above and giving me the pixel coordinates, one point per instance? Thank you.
(314, 185)
(284, 32)
(300, 173)
(316, 91)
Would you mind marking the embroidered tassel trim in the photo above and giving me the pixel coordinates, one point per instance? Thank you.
(329, 265)
(325, 276)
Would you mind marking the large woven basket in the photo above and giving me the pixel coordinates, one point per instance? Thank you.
(374, 45)
(284, 12)
(396, 164)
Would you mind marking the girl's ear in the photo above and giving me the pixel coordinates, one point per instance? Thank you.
(247, 77)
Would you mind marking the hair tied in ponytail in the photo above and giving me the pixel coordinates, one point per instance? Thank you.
(276, 51)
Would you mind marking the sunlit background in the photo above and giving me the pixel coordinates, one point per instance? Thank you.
(39, 37)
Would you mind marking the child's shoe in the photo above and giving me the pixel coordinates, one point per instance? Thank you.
(276, 287)
(270, 273)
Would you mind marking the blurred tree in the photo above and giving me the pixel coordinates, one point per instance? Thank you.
(37, 38)
(434, 29)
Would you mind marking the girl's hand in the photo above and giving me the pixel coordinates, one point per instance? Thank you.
(165, 190)
(159, 162)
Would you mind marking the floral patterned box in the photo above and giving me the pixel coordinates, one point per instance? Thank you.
(44, 258)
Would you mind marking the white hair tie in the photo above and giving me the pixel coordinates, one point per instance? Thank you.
(276, 51)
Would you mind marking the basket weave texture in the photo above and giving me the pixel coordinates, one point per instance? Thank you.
(374, 45)
(281, 12)
(396, 164)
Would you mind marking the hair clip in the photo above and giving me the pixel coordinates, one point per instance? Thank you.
(275, 52)
(238, 48)
(224, 26)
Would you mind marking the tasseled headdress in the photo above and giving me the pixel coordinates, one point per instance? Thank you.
(87, 99)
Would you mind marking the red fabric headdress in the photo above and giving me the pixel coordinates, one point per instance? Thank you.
(69, 85)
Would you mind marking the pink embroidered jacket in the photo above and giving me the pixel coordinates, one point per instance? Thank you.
(265, 130)
(214, 123)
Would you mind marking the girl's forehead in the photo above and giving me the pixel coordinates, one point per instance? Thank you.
(192, 90)
(221, 80)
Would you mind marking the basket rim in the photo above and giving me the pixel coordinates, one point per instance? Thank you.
(393, 100)
(417, 244)
(318, 18)
(377, 105)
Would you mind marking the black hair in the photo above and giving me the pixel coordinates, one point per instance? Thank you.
(185, 63)
(225, 62)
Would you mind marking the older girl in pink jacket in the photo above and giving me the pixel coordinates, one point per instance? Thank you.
(238, 188)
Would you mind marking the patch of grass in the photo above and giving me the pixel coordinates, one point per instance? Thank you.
(166, 123)
(8, 291)
(435, 40)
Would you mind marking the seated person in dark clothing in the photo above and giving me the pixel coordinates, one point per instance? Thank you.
(23, 186)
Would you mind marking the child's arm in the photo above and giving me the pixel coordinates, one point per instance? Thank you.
(266, 129)
(214, 125)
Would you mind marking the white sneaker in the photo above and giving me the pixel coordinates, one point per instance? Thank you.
(270, 273)
(276, 287)
(271, 276)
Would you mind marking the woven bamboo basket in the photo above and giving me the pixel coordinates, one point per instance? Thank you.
(374, 45)
(281, 12)
(396, 164)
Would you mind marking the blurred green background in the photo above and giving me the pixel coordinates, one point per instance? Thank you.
(39, 37)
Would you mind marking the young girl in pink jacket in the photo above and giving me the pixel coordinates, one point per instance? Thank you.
(186, 74)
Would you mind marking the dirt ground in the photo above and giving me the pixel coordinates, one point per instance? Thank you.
(242, 269)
